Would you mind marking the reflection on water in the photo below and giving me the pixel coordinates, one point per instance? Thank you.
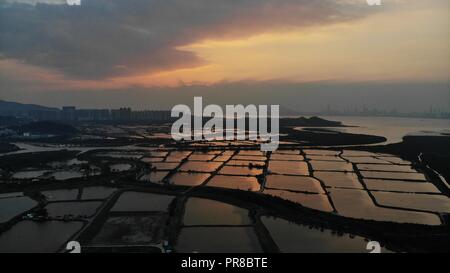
(366, 159)
(331, 166)
(394, 175)
(286, 157)
(294, 183)
(249, 157)
(222, 158)
(199, 211)
(152, 159)
(353, 153)
(293, 238)
(188, 179)
(97, 192)
(10, 207)
(243, 183)
(164, 166)
(37, 237)
(177, 156)
(288, 167)
(286, 152)
(385, 168)
(69, 163)
(65, 175)
(157, 154)
(131, 229)
(141, 201)
(154, 177)
(36, 147)
(393, 129)
(218, 240)
(237, 170)
(243, 163)
(61, 195)
(75, 209)
(317, 152)
(87, 193)
(402, 186)
(11, 194)
(121, 167)
(201, 157)
(197, 166)
(251, 153)
(215, 227)
(212, 226)
(28, 174)
(121, 155)
(325, 158)
(428, 202)
(395, 160)
(358, 204)
(339, 179)
(313, 201)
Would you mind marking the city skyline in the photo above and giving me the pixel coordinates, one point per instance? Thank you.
(73, 113)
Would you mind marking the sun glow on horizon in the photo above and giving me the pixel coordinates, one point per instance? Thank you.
(373, 49)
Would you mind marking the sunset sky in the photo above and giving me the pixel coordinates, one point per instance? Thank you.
(105, 45)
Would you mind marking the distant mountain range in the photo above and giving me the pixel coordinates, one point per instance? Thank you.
(14, 108)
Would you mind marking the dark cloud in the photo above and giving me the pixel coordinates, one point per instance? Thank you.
(104, 38)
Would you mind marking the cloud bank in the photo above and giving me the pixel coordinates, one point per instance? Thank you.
(107, 38)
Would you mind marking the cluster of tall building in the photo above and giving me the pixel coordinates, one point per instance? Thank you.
(71, 113)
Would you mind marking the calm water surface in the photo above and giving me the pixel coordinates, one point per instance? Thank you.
(393, 129)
